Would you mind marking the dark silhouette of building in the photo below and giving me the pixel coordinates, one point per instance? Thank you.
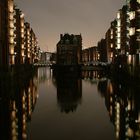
(69, 50)
(69, 93)
(102, 49)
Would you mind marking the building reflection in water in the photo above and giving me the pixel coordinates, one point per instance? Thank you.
(69, 92)
(44, 74)
(17, 101)
(122, 103)
(93, 76)
(69, 88)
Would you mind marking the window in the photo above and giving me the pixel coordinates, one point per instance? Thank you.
(111, 45)
(118, 46)
(138, 1)
(118, 15)
(119, 23)
(118, 41)
(118, 35)
(131, 31)
(111, 31)
(132, 15)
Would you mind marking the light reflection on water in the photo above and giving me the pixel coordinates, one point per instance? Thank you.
(69, 108)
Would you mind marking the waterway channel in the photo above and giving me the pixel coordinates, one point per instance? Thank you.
(86, 107)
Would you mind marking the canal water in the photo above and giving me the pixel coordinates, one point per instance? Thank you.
(86, 107)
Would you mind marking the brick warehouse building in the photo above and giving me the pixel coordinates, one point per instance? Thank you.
(69, 50)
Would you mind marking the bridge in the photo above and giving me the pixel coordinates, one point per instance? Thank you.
(96, 65)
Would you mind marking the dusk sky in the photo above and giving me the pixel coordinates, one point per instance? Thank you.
(50, 18)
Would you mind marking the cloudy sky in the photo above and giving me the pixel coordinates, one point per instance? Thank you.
(50, 18)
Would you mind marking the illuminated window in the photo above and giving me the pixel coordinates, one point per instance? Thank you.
(111, 55)
(22, 46)
(119, 35)
(11, 16)
(22, 35)
(28, 32)
(129, 62)
(10, 3)
(131, 31)
(22, 24)
(11, 24)
(119, 23)
(118, 29)
(11, 40)
(118, 15)
(11, 32)
(22, 30)
(128, 13)
(111, 46)
(138, 38)
(12, 50)
(22, 53)
(118, 40)
(118, 46)
(132, 15)
(22, 15)
(138, 1)
(111, 31)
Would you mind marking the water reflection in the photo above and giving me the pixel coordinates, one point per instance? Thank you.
(44, 74)
(93, 77)
(18, 97)
(122, 103)
(69, 92)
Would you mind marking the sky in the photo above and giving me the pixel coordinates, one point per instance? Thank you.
(50, 18)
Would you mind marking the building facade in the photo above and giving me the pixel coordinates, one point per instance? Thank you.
(18, 42)
(19, 47)
(102, 51)
(6, 33)
(69, 49)
(90, 55)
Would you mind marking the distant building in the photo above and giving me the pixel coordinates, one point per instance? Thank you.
(53, 58)
(90, 55)
(110, 38)
(85, 55)
(46, 58)
(102, 51)
(69, 49)
(93, 54)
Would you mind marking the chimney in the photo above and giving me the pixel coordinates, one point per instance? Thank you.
(61, 36)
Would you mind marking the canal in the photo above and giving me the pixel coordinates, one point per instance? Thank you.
(85, 107)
